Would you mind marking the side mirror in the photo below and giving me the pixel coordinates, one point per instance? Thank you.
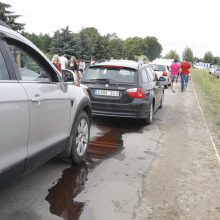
(68, 76)
(162, 79)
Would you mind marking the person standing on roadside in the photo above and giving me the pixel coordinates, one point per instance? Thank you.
(56, 62)
(174, 68)
(63, 61)
(185, 71)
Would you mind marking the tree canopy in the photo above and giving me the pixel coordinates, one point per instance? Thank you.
(208, 57)
(172, 55)
(10, 17)
(189, 54)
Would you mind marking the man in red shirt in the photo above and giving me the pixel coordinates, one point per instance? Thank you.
(185, 71)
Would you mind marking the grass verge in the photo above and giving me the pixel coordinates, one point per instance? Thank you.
(208, 91)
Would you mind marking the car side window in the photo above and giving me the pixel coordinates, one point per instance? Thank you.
(3, 69)
(144, 74)
(150, 74)
(29, 68)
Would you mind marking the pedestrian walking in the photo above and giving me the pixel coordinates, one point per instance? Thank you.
(174, 68)
(185, 71)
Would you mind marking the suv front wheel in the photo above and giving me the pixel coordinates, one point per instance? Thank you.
(79, 138)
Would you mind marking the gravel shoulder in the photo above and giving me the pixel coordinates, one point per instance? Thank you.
(183, 181)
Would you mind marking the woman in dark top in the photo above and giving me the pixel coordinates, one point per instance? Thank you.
(73, 65)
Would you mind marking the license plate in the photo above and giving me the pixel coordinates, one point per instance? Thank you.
(107, 93)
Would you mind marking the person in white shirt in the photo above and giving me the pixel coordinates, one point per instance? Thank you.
(82, 65)
(63, 61)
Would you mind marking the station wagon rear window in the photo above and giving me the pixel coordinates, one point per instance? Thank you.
(111, 73)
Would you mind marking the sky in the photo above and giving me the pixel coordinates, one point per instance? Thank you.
(176, 24)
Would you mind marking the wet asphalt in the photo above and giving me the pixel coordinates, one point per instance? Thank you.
(105, 186)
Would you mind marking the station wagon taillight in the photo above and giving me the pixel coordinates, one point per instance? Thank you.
(165, 74)
(136, 93)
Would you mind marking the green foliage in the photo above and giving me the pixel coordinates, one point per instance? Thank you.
(64, 41)
(42, 41)
(115, 46)
(151, 48)
(136, 46)
(189, 54)
(89, 38)
(209, 88)
(208, 57)
(216, 60)
(133, 46)
(172, 55)
(9, 17)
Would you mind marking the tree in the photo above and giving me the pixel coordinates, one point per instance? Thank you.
(216, 60)
(65, 41)
(133, 47)
(208, 57)
(101, 48)
(9, 17)
(115, 48)
(189, 54)
(172, 55)
(42, 40)
(89, 40)
(151, 48)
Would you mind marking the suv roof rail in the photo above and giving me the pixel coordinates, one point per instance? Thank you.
(2, 23)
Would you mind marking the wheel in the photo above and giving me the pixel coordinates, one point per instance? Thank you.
(165, 86)
(149, 119)
(79, 138)
(161, 101)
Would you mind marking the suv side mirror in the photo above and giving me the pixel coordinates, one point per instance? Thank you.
(68, 76)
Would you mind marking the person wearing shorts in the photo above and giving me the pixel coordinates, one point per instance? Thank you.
(174, 68)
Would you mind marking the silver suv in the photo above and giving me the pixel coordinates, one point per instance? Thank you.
(40, 115)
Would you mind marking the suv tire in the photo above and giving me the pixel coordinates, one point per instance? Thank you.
(79, 138)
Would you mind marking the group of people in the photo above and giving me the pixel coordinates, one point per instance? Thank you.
(182, 70)
(77, 66)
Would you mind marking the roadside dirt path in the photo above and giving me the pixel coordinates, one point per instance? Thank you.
(184, 180)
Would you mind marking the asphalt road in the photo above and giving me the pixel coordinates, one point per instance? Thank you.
(132, 172)
(106, 186)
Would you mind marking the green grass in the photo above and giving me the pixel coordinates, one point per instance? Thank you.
(208, 90)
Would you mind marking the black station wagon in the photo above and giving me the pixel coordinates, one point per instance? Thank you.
(122, 88)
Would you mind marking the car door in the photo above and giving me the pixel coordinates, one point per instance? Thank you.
(14, 122)
(156, 86)
(49, 104)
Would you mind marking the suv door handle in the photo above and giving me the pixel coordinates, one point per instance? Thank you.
(37, 98)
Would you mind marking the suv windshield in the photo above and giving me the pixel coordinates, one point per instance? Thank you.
(111, 74)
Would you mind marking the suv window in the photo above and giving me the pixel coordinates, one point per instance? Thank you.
(3, 70)
(118, 74)
(28, 67)
(145, 77)
(150, 74)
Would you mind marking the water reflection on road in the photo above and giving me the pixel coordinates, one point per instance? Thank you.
(106, 142)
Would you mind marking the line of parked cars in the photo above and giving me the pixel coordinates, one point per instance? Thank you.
(215, 70)
(45, 113)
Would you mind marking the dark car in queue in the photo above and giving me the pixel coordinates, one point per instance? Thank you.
(123, 89)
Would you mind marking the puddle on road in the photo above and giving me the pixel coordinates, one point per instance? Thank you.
(105, 144)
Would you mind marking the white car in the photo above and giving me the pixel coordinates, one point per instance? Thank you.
(162, 70)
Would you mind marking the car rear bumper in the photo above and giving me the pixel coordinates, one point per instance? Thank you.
(138, 109)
